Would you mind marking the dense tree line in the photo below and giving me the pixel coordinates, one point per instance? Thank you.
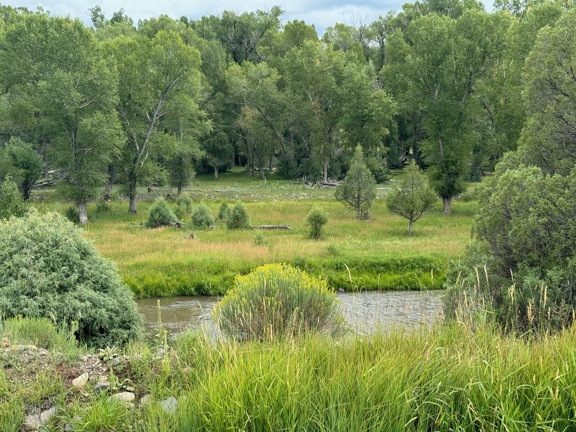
(440, 82)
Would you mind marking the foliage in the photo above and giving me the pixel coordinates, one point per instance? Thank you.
(160, 215)
(202, 217)
(357, 189)
(238, 218)
(315, 221)
(224, 211)
(524, 234)
(11, 201)
(22, 162)
(412, 197)
(47, 269)
(260, 239)
(277, 301)
(184, 202)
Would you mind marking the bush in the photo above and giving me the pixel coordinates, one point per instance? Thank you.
(276, 301)
(315, 221)
(39, 332)
(160, 215)
(224, 211)
(202, 217)
(47, 269)
(11, 200)
(184, 202)
(238, 218)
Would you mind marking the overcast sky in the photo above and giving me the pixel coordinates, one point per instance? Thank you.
(321, 13)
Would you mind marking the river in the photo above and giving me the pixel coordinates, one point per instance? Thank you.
(365, 312)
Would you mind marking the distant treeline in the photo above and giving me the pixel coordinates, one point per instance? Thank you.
(442, 82)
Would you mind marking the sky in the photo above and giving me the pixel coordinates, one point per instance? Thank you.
(321, 13)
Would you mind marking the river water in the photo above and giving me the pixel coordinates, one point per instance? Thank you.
(365, 312)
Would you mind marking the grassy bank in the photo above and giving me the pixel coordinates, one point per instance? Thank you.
(446, 379)
(353, 255)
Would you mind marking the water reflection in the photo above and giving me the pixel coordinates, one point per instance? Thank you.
(365, 312)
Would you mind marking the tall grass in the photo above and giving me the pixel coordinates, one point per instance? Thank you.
(449, 378)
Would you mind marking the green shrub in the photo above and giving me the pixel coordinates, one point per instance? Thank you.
(224, 211)
(238, 218)
(48, 269)
(276, 301)
(160, 215)
(202, 217)
(184, 202)
(315, 221)
(259, 239)
(11, 200)
(72, 214)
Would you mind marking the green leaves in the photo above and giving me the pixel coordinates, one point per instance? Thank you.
(412, 197)
(357, 189)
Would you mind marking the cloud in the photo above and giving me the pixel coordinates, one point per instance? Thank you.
(321, 13)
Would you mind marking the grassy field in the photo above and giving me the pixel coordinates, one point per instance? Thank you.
(447, 379)
(374, 254)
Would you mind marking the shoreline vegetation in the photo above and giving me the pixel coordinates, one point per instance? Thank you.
(451, 377)
(376, 254)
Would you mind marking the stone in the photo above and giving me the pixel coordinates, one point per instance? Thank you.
(124, 396)
(169, 405)
(101, 386)
(81, 381)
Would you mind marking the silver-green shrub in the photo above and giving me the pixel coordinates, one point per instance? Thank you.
(238, 218)
(47, 269)
(160, 215)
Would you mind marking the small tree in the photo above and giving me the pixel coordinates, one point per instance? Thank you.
(160, 215)
(202, 217)
(224, 211)
(11, 201)
(315, 221)
(238, 218)
(412, 197)
(357, 189)
(23, 163)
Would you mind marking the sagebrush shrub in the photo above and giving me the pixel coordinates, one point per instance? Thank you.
(11, 200)
(48, 269)
(160, 215)
(238, 218)
(275, 301)
(315, 221)
(202, 217)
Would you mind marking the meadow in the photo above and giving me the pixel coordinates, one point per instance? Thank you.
(353, 255)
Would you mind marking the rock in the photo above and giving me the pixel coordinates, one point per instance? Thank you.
(124, 396)
(169, 405)
(37, 421)
(81, 381)
(101, 386)
(146, 400)
(116, 361)
(5, 342)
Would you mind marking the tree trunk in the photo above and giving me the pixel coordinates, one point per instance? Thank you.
(179, 190)
(132, 192)
(83, 211)
(446, 205)
(410, 222)
(109, 183)
(216, 172)
(325, 173)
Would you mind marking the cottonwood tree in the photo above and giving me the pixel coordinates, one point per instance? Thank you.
(55, 64)
(438, 62)
(19, 160)
(412, 197)
(357, 189)
(159, 80)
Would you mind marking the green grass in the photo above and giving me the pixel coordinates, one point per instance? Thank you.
(378, 253)
(445, 379)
